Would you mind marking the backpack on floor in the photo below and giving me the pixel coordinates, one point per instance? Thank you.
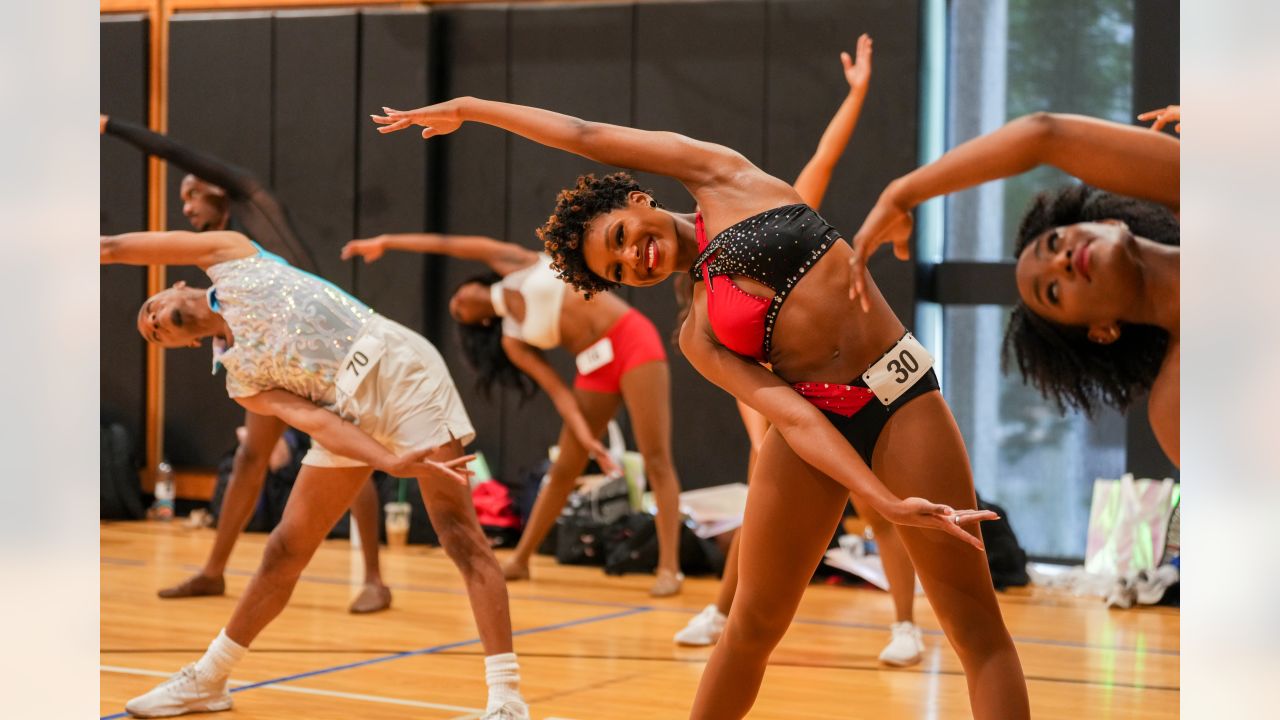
(631, 545)
(1006, 558)
(120, 490)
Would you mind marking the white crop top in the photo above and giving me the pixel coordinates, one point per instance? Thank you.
(543, 295)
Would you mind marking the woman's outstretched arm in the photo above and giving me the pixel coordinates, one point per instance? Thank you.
(502, 257)
(175, 247)
(813, 180)
(693, 162)
(1117, 158)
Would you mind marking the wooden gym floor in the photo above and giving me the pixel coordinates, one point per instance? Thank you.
(591, 647)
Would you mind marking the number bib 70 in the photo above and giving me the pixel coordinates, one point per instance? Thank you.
(359, 363)
(898, 370)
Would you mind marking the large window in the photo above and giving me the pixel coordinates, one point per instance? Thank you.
(1007, 58)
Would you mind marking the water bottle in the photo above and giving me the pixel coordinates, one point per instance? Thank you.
(165, 492)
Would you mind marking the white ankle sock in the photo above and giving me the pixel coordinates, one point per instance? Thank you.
(502, 673)
(222, 655)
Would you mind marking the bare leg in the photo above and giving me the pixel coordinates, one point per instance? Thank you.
(248, 472)
(597, 408)
(374, 596)
(791, 513)
(319, 497)
(756, 425)
(454, 519)
(729, 583)
(898, 569)
(646, 389)
(955, 577)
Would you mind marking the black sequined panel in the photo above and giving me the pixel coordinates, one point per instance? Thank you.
(775, 247)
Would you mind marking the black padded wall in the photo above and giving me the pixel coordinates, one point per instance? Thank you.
(123, 205)
(392, 169)
(806, 85)
(699, 71)
(574, 59)
(220, 85)
(469, 187)
(314, 130)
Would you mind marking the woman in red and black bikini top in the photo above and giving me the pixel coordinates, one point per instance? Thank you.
(901, 442)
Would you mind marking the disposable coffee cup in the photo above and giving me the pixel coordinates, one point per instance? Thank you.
(397, 522)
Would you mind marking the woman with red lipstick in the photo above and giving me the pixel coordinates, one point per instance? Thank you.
(851, 397)
(1097, 272)
(507, 319)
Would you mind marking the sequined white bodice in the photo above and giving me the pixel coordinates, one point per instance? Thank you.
(291, 330)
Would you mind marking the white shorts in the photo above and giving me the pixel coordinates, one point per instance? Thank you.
(406, 402)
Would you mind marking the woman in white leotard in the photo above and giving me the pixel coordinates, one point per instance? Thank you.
(508, 319)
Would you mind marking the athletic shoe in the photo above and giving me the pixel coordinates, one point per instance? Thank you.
(508, 711)
(184, 692)
(195, 586)
(905, 647)
(704, 629)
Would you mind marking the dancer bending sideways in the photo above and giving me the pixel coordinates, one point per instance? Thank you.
(508, 319)
(217, 195)
(371, 393)
(851, 397)
(905, 643)
(1098, 322)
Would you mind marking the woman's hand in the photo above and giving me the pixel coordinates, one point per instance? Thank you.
(1164, 116)
(858, 73)
(888, 222)
(918, 512)
(414, 464)
(370, 249)
(439, 119)
(601, 455)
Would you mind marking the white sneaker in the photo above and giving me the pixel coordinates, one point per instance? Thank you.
(508, 711)
(183, 693)
(905, 647)
(704, 628)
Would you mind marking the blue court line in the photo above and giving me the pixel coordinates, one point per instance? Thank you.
(409, 587)
(412, 653)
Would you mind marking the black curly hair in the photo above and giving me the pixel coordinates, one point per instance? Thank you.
(1061, 361)
(565, 230)
(482, 347)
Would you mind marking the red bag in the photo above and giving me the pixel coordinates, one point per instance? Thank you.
(493, 505)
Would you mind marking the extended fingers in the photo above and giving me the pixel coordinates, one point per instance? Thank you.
(458, 461)
(961, 534)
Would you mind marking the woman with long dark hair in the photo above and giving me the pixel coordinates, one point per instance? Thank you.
(851, 397)
(1098, 263)
(507, 318)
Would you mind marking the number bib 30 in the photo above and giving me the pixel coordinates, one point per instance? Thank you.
(898, 370)
(359, 363)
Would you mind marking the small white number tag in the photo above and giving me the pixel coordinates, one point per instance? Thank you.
(898, 370)
(359, 363)
(595, 357)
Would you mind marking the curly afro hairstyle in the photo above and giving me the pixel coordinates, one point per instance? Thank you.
(1061, 361)
(564, 232)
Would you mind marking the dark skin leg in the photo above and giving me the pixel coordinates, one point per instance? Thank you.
(646, 390)
(374, 595)
(772, 575)
(791, 500)
(597, 408)
(454, 519)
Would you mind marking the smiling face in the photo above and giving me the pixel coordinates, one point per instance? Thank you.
(170, 317)
(634, 245)
(1081, 275)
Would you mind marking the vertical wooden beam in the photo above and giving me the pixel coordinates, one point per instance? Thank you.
(157, 118)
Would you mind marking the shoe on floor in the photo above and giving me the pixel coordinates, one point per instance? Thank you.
(905, 647)
(195, 586)
(704, 629)
(371, 599)
(508, 711)
(515, 571)
(184, 692)
(666, 584)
